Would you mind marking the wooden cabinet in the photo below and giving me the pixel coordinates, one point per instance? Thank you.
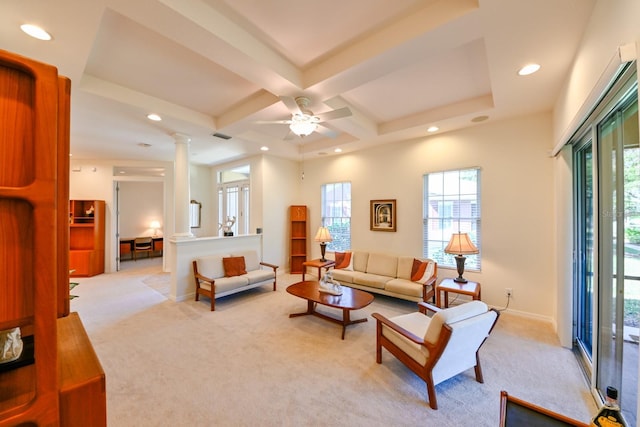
(298, 243)
(34, 229)
(86, 237)
(81, 379)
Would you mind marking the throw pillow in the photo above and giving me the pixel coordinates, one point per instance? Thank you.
(343, 260)
(420, 272)
(234, 266)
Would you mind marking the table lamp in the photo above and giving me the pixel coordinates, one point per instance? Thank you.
(323, 236)
(460, 245)
(155, 225)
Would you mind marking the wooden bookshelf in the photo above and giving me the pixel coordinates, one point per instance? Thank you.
(86, 237)
(298, 242)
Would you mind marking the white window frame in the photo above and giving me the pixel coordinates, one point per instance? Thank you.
(335, 202)
(451, 204)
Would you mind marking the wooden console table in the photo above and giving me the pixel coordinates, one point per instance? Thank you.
(126, 247)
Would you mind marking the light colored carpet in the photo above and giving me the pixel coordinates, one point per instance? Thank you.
(248, 363)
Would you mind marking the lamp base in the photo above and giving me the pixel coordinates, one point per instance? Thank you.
(460, 267)
(323, 248)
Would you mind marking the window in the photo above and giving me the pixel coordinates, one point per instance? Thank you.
(336, 214)
(451, 204)
(233, 199)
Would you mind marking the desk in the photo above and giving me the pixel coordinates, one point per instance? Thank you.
(126, 247)
(319, 264)
(448, 285)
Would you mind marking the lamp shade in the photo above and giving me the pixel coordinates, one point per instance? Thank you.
(323, 235)
(155, 224)
(460, 244)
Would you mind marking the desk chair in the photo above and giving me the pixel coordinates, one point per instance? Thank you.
(142, 244)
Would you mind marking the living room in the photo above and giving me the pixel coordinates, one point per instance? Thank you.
(526, 196)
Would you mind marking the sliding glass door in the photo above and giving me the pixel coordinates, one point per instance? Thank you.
(584, 250)
(607, 244)
(619, 227)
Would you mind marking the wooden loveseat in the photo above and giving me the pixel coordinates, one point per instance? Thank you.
(225, 274)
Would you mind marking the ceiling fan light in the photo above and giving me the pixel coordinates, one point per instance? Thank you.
(302, 128)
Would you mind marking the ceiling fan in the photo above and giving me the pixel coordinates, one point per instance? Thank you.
(303, 122)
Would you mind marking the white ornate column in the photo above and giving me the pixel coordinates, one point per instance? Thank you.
(181, 188)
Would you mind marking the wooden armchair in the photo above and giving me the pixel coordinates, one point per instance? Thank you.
(439, 347)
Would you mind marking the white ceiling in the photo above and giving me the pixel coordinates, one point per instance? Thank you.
(210, 66)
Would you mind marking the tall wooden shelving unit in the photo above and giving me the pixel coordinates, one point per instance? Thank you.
(60, 368)
(298, 244)
(86, 238)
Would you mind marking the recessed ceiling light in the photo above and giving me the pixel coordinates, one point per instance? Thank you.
(338, 150)
(479, 119)
(144, 145)
(264, 148)
(35, 32)
(154, 117)
(433, 129)
(528, 69)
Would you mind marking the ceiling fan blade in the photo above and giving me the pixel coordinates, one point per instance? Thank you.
(291, 104)
(273, 122)
(326, 131)
(289, 136)
(334, 114)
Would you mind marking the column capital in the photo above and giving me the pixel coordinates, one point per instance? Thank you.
(181, 138)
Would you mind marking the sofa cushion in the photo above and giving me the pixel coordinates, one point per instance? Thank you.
(343, 276)
(417, 323)
(234, 266)
(211, 266)
(382, 264)
(251, 260)
(404, 287)
(360, 260)
(226, 284)
(405, 263)
(257, 276)
(452, 315)
(372, 280)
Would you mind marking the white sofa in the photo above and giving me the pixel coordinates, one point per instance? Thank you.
(211, 281)
(388, 275)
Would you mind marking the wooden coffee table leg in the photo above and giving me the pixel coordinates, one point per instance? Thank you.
(310, 310)
(346, 320)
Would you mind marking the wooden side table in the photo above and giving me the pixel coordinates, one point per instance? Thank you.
(448, 285)
(319, 264)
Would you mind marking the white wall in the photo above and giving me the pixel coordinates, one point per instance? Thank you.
(202, 191)
(612, 24)
(517, 202)
(139, 204)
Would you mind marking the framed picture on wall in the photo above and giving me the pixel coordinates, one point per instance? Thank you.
(382, 216)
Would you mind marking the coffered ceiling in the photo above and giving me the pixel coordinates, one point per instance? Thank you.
(220, 66)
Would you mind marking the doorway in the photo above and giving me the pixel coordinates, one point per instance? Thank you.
(139, 213)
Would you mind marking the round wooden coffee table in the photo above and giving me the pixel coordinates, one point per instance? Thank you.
(351, 299)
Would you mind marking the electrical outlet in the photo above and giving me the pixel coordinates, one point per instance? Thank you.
(508, 292)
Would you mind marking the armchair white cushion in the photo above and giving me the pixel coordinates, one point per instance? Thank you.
(439, 347)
